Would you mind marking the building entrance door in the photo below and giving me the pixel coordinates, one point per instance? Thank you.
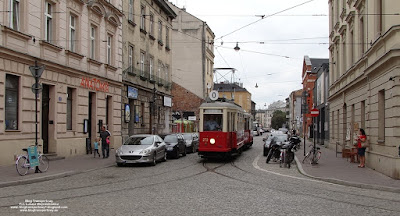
(45, 117)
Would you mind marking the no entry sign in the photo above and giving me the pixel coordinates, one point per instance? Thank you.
(314, 112)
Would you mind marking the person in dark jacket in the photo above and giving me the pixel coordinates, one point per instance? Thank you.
(105, 145)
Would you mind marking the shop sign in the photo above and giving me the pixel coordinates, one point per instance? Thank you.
(167, 101)
(94, 84)
(132, 92)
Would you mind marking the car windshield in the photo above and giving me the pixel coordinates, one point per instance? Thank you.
(141, 140)
(187, 136)
(171, 138)
(280, 138)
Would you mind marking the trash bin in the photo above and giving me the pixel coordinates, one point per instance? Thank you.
(88, 146)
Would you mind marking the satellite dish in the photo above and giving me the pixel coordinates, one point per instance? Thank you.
(213, 95)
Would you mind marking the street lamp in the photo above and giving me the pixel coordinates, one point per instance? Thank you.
(237, 48)
(256, 85)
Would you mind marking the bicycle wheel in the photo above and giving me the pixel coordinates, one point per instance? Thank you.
(317, 156)
(43, 163)
(22, 165)
(306, 157)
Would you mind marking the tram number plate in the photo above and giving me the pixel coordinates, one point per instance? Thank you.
(205, 139)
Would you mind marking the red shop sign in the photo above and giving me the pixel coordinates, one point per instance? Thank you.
(94, 84)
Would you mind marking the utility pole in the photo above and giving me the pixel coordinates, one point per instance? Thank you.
(36, 89)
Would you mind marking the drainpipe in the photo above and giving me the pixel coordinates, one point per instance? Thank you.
(203, 58)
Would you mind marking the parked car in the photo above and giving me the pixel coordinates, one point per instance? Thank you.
(278, 138)
(175, 144)
(192, 142)
(142, 148)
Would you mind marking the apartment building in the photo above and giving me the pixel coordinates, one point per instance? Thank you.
(147, 59)
(77, 43)
(364, 79)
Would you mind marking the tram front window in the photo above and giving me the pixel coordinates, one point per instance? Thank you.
(212, 122)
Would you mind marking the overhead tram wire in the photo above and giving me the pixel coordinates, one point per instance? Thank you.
(263, 17)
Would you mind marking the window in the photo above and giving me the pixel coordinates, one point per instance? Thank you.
(344, 56)
(49, 22)
(142, 55)
(143, 17)
(379, 17)
(14, 14)
(363, 114)
(167, 36)
(151, 64)
(93, 42)
(69, 108)
(159, 69)
(351, 47)
(72, 33)
(167, 73)
(142, 113)
(159, 30)
(11, 103)
(151, 24)
(130, 17)
(381, 115)
(130, 58)
(362, 40)
(109, 49)
(337, 11)
(333, 124)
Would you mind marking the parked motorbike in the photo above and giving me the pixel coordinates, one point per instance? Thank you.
(287, 151)
(274, 151)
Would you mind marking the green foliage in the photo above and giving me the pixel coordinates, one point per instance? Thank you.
(278, 119)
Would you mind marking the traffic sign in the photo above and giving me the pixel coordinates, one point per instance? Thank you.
(36, 71)
(314, 112)
(213, 95)
(37, 88)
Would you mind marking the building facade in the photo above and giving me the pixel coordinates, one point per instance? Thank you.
(78, 45)
(364, 76)
(321, 122)
(193, 55)
(147, 59)
(236, 92)
(295, 116)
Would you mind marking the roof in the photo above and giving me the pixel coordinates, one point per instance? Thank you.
(317, 63)
(217, 104)
(228, 87)
(165, 7)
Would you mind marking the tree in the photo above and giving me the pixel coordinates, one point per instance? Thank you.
(278, 119)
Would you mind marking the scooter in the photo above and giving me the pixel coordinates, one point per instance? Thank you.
(274, 151)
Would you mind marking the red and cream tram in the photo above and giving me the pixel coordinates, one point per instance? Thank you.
(224, 129)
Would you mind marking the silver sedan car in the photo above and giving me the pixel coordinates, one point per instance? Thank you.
(143, 148)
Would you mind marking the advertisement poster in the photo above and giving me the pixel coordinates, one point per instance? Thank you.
(33, 156)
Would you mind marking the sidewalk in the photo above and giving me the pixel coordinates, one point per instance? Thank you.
(57, 169)
(340, 171)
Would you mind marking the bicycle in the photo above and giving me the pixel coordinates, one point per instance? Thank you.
(313, 155)
(22, 163)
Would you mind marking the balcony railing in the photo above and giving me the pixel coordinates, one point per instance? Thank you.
(152, 78)
(131, 70)
(144, 75)
(160, 81)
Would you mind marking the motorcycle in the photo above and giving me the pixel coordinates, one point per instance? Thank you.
(287, 151)
(274, 151)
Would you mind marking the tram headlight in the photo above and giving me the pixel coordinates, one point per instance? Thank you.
(212, 141)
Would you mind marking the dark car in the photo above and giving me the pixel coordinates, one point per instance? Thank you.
(176, 145)
(274, 138)
(192, 142)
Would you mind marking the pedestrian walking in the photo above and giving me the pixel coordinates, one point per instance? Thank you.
(105, 142)
(362, 144)
(96, 147)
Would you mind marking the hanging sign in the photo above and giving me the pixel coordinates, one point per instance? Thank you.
(33, 156)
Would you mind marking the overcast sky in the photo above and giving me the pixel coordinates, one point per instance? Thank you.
(276, 65)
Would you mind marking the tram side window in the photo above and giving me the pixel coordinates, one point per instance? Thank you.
(212, 122)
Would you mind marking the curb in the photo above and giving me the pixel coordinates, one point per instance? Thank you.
(346, 183)
(49, 177)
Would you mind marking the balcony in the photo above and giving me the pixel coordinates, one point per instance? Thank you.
(144, 75)
(131, 70)
(152, 78)
(160, 82)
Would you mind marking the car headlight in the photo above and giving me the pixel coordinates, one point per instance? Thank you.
(212, 141)
(119, 152)
(145, 151)
(170, 148)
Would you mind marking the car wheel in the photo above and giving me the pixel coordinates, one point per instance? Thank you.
(177, 153)
(265, 152)
(154, 162)
(184, 151)
(165, 156)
